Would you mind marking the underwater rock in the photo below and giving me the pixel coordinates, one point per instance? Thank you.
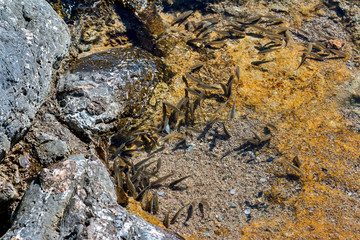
(100, 87)
(33, 38)
(75, 198)
(149, 26)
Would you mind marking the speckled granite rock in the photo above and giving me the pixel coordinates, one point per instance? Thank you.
(75, 199)
(33, 38)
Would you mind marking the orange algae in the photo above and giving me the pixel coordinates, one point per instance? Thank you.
(302, 104)
(135, 208)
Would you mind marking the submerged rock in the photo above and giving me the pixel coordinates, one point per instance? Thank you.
(148, 26)
(75, 199)
(102, 86)
(33, 38)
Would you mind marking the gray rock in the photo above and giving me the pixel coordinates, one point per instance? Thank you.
(7, 191)
(101, 86)
(33, 38)
(50, 148)
(76, 199)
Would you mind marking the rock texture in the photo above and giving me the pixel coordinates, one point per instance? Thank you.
(33, 38)
(75, 199)
(101, 86)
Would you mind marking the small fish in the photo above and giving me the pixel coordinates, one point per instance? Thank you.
(296, 161)
(320, 46)
(237, 27)
(236, 33)
(196, 40)
(158, 164)
(190, 211)
(172, 106)
(273, 18)
(172, 184)
(185, 81)
(148, 165)
(228, 135)
(160, 180)
(221, 107)
(165, 125)
(224, 88)
(167, 129)
(169, 136)
(229, 86)
(177, 214)
(182, 103)
(142, 193)
(213, 118)
(215, 44)
(232, 113)
(274, 36)
(196, 66)
(149, 202)
(131, 186)
(223, 34)
(294, 168)
(182, 17)
(273, 43)
(322, 35)
(280, 29)
(316, 56)
(257, 140)
(118, 178)
(237, 71)
(192, 78)
(288, 38)
(258, 63)
(203, 203)
(155, 203)
(305, 55)
(252, 20)
(302, 32)
(194, 129)
(166, 221)
(213, 20)
(340, 54)
(271, 126)
(193, 91)
(135, 177)
(269, 50)
(276, 21)
(145, 200)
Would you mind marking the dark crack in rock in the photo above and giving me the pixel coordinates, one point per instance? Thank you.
(33, 38)
(76, 199)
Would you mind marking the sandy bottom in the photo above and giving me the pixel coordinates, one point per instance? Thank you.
(227, 173)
